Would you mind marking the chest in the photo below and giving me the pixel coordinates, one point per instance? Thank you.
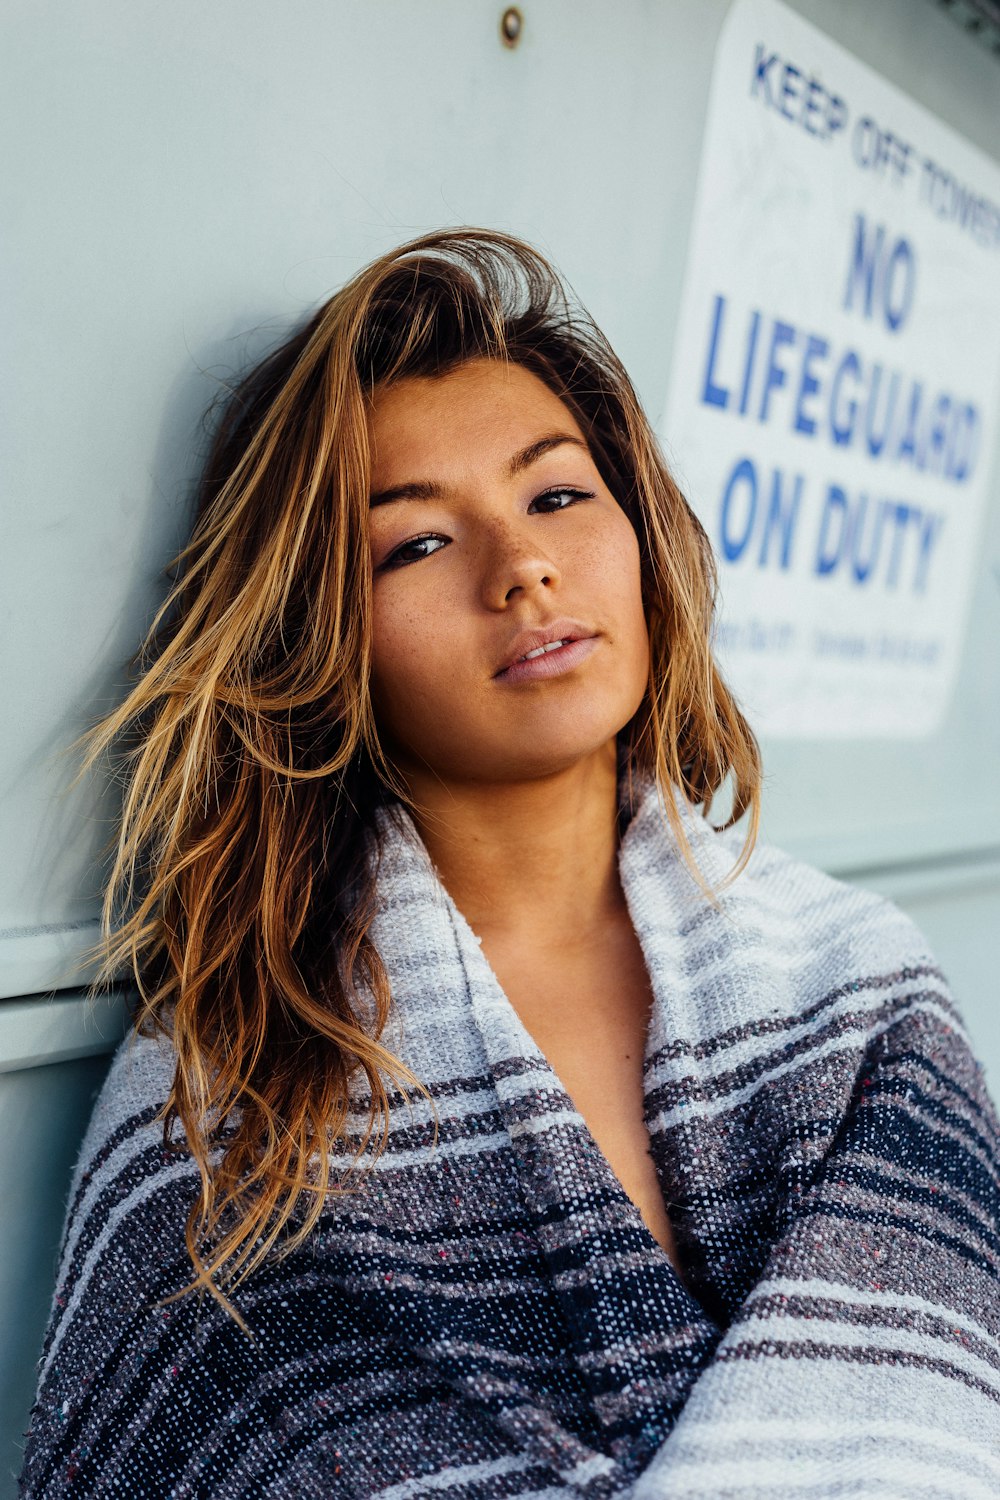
(588, 1012)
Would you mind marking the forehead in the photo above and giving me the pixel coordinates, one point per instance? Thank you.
(481, 411)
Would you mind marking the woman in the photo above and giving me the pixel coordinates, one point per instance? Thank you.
(696, 1189)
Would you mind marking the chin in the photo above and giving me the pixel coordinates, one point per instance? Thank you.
(535, 756)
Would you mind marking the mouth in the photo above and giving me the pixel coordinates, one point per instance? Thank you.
(542, 650)
(553, 659)
(543, 640)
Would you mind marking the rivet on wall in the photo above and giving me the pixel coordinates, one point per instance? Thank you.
(511, 26)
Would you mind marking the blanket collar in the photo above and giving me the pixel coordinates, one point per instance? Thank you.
(451, 1019)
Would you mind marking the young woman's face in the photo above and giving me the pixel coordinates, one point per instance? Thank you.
(489, 521)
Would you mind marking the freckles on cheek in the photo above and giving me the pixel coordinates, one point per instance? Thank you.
(609, 564)
(399, 651)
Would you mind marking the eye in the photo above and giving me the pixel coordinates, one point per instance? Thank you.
(403, 554)
(555, 493)
(411, 551)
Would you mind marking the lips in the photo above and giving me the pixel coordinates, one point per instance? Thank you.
(527, 641)
(561, 659)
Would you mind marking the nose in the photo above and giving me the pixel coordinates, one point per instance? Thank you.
(515, 563)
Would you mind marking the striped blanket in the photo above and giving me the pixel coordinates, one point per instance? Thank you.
(491, 1316)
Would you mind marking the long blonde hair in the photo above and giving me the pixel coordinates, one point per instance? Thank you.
(240, 895)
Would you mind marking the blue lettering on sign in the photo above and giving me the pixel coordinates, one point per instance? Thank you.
(782, 515)
(865, 550)
(936, 431)
(741, 520)
(762, 66)
(816, 348)
(875, 542)
(736, 533)
(930, 528)
(956, 201)
(798, 378)
(876, 427)
(803, 100)
(881, 151)
(712, 394)
(888, 541)
(840, 430)
(781, 334)
(911, 433)
(751, 351)
(902, 515)
(883, 280)
(963, 447)
(764, 368)
(832, 529)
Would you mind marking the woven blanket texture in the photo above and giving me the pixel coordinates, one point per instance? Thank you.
(490, 1316)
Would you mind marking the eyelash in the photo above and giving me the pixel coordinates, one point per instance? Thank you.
(394, 560)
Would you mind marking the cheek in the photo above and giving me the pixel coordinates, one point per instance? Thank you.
(411, 646)
(623, 582)
(394, 653)
(615, 568)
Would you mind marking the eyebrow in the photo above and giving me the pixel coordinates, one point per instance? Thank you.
(428, 489)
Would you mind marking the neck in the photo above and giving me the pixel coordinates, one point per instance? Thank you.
(533, 860)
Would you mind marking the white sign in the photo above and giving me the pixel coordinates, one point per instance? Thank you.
(835, 386)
